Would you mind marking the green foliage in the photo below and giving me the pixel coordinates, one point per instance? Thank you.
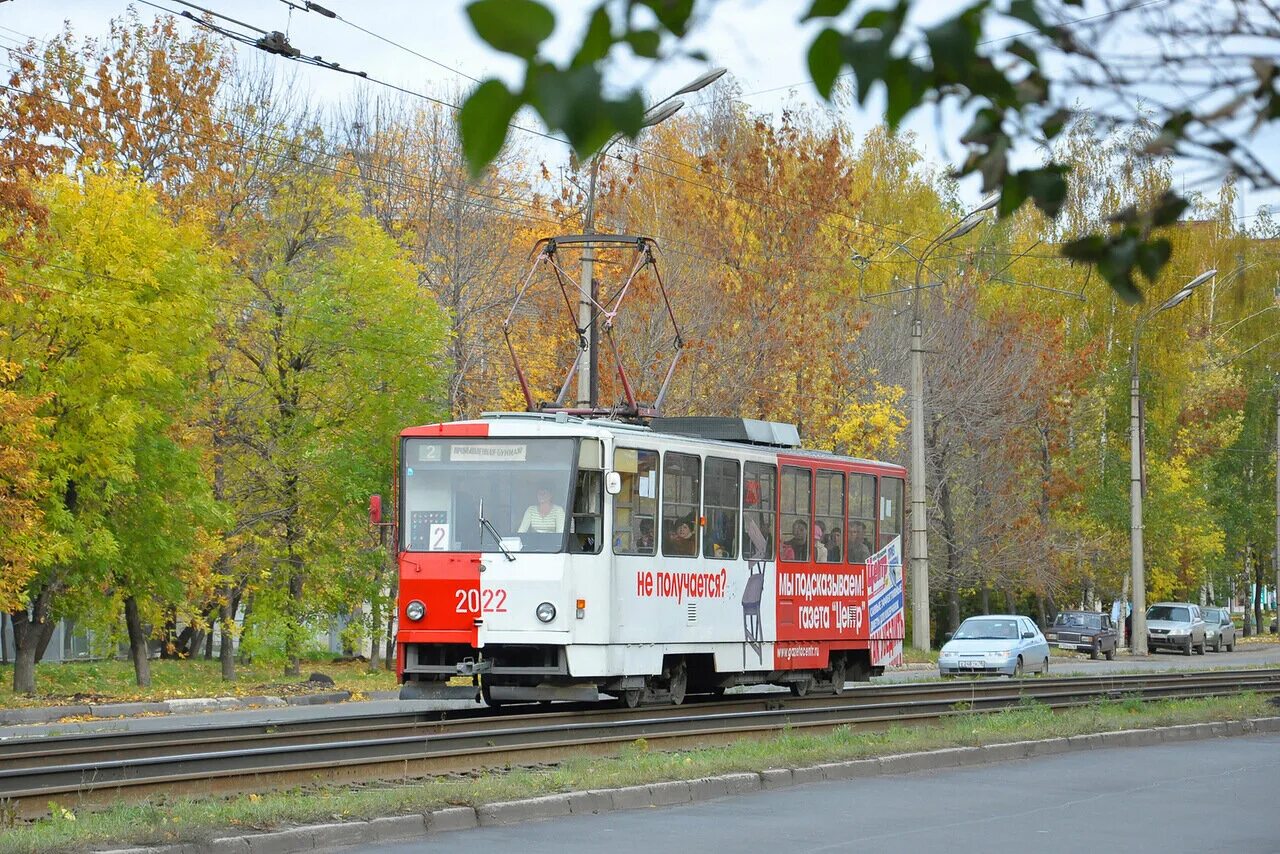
(112, 325)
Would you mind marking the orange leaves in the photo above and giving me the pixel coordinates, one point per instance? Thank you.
(144, 100)
(23, 437)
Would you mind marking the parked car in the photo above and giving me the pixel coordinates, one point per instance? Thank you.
(1176, 625)
(1219, 631)
(1083, 631)
(995, 644)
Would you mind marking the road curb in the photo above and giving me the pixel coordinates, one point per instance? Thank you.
(186, 705)
(408, 827)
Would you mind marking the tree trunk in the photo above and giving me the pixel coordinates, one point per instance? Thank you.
(243, 657)
(208, 645)
(389, 658)
(293, 631)
(952, 551)
(986, 599)
(31, 633)
(137, 643)
(227, 654)
(1259, 579)
(1010, 607)
(953, 603)
(375, 633)
(293, 560)
(24, 668)
(1248, 574)
(29, 640)
(170, 640)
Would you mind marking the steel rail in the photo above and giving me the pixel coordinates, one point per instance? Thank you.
(38, 750)
(488, 741)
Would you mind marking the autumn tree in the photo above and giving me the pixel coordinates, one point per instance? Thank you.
(336, 343)
(143, 99)
(113, 310)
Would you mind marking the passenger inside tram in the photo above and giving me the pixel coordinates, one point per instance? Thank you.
(797, 548)
(679, 538)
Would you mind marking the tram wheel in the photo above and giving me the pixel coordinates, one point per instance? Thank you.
(838, 674)
(801, 688)
(678, 683)
(632, 696)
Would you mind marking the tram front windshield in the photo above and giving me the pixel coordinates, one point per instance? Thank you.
(522, 486)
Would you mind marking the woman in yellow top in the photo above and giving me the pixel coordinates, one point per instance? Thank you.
(543, 517)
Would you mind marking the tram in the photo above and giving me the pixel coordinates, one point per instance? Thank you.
(545, 556)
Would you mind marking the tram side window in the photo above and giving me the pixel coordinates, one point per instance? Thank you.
(760, 481)
(720, 503)
(862, 516)
(635, 508)
(890, 509)
(797, 524)
(681, 491)
(828, 527)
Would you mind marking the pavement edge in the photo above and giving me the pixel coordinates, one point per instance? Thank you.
(408, 827)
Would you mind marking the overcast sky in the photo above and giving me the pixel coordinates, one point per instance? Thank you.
(759, 42)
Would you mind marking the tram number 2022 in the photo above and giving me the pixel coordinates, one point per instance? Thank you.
(481, 601)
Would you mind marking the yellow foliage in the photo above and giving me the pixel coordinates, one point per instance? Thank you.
(869, 428)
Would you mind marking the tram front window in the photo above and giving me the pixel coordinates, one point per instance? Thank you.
(521, 484)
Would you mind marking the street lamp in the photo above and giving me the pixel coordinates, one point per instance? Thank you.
(656, 113)
(1138, 624)
(920, 638)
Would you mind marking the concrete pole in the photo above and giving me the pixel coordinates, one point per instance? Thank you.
(1138, 624)
(1276, 565)
(586, 353)
(920, 635)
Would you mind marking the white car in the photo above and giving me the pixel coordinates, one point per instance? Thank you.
(996, 644)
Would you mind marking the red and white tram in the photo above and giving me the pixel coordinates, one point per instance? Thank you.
(551, 557)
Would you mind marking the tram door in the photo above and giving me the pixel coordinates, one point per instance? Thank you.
(588, 582)
(633, 542)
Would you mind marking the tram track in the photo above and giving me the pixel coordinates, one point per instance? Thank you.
(98, 767)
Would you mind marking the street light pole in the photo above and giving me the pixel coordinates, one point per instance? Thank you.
(588, 383)
(920, 635)
(1138, 623)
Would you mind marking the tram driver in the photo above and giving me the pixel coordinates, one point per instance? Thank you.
(543, 517)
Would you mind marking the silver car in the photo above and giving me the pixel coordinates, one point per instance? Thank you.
(1175, 625)
(1219, 631)
(1007, 644)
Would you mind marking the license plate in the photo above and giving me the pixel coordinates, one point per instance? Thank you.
(971, 664)
(1066, 646)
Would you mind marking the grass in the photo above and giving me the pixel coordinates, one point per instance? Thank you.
(190, 820)
(911, 655)
(112, 681)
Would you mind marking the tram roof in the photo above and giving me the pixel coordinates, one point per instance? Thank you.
(566, 424)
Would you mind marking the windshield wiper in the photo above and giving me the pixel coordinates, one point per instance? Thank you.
(486, 524)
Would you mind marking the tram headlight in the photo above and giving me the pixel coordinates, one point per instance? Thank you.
(546, 612)
(415, 610)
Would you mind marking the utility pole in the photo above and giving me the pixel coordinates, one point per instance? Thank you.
(1276, 555)
(588, 382)
(1138, 623)
(921, 638)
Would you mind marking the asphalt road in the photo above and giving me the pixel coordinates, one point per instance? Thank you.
(1206, 796)
(1060, 666)
(1075, 664)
